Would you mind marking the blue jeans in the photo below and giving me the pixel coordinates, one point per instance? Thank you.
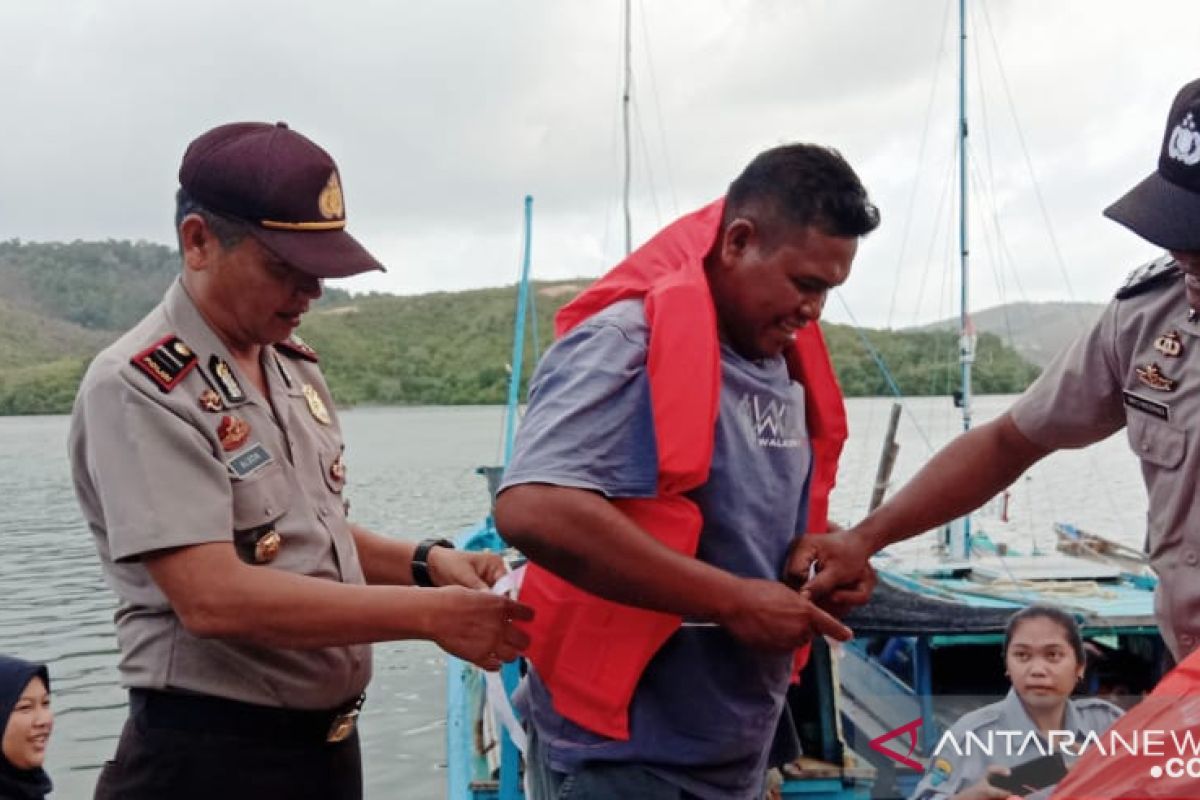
(599, 780)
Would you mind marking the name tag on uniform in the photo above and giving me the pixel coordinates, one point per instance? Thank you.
(250, 461)
(1152, 407)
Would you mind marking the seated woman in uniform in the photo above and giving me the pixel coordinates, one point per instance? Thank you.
(1044, 660)
(26, 720)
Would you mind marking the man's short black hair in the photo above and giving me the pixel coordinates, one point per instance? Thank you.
(229, 232)
(801, 185)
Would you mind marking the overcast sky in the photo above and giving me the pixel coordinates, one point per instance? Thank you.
(443, 115)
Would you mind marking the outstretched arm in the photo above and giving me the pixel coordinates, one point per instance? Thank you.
(961, 477)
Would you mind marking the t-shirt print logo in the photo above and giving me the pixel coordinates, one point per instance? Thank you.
(1185, 142)
(771, 422)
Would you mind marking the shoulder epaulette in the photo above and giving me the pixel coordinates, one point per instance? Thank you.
(1148, 276)
(166, 362)
(296, 348)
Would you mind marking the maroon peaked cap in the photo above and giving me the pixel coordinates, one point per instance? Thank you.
(285, 187)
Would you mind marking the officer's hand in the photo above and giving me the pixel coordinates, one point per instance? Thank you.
(769, 616)
(844, 577)
(983, 790)
(479, 626)
(473, 569)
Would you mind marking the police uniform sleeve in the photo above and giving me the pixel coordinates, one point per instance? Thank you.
(589, 422)
(155, 476)
(1077, 400)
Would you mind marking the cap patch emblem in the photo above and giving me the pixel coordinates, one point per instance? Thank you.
(316, 406)
(330, 199)
(233, 432)
(1184, 145)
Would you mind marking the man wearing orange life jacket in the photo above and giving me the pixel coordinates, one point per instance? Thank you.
(607, 492)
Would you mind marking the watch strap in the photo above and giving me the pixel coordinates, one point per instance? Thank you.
(420, 560)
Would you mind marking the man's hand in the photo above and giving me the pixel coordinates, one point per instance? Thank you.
(477, 626)
(472, 569)
(843, 577)
(769, 616)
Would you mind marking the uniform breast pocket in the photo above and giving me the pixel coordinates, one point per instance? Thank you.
(1157, 442)
(258, 502)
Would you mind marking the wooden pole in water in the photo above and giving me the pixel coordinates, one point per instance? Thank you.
(887, 460)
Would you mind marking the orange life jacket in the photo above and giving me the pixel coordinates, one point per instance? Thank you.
(1172, 710)
(591, 652)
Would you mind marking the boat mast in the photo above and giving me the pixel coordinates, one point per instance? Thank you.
(625, 125)
(966, 347)
(518, 351)
(966, 340)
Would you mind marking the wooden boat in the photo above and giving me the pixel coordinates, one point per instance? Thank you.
(1077, 542)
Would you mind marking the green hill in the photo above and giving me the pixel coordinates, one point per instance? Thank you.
(1038, 331)
(65, 301)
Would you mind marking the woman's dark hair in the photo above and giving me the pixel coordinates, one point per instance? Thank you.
(799, 185)
(1065, 621)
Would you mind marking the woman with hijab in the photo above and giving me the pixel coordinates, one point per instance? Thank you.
(26, 719)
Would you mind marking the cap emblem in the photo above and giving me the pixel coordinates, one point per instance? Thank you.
(330, 199)
(1184, 145)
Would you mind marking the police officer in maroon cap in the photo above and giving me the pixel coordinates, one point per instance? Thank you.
(208, 461)
(1138, 368)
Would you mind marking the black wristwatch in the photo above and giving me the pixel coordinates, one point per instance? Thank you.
(420, 560)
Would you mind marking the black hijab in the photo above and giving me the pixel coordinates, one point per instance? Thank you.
(19, 784)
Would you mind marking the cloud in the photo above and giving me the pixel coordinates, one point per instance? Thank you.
(444, 115)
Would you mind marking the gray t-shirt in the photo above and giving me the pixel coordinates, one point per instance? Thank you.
(705, 710)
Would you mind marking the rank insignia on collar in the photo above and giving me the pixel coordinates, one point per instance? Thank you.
(233, 432)
(226, 382)
(1152, 376)
(267, 547)
(166, 362)
(316, 405)
(210, 400)
(1169, 344)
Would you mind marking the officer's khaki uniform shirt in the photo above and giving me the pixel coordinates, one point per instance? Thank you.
(156, 469)
(951, 772)
(1119, 375)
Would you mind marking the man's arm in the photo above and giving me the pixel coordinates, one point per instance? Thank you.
(961, 477)
(217, 595)
(586, 540)
(389, 561)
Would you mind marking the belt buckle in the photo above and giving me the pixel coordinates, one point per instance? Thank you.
(343, 725)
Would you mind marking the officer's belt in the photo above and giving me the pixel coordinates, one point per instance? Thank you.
(217, 715)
